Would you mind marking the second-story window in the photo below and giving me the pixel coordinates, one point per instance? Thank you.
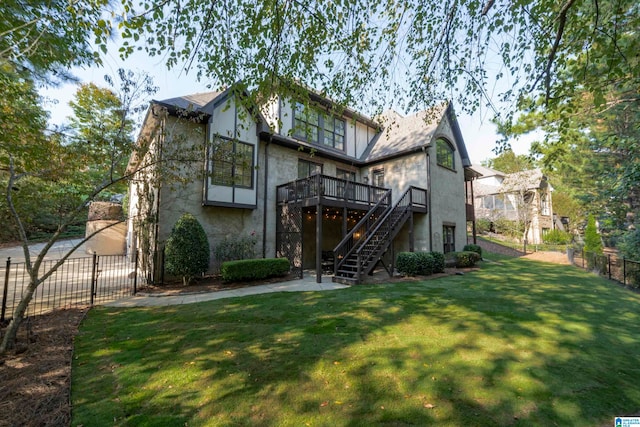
(444, 154)
(312, 126)
(232, 163)
(333, 135)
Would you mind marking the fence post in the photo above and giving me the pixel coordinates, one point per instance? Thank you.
(135, 275)
(609, 258)
(582, 258)
(5, 291)
(94, 267)
(624, 271)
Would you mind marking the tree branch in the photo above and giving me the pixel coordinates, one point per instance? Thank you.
(562, 20)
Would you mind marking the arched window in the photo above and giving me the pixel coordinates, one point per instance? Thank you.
(444, 154)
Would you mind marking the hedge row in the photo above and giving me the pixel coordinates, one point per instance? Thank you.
(254, 269)
(420, 263)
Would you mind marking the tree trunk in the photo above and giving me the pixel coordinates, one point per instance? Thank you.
(9, 339)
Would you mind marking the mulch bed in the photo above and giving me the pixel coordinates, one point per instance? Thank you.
(35, 378)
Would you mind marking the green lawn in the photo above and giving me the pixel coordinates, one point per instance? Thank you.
(516, 343)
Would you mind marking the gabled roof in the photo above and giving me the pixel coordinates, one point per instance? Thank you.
(193, 102)
(525, 180)
(406, 134)
(513, 182)
(487, 172)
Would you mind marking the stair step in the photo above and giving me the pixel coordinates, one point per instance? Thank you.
(345, 280)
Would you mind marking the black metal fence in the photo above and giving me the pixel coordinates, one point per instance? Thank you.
(78, 282)
(623, 270)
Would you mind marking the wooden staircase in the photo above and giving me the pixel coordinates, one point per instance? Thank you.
(363, 247)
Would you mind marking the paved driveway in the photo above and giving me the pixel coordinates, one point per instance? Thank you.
(59, 249)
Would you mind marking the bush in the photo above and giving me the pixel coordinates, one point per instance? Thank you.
(509, 228)
(235, 248)
(557, 237)
(629, 244)
(438, 262)
(187, 249)
(466, 259)
(483, 225)
(473, 248)
(420, 263)
(254, 269)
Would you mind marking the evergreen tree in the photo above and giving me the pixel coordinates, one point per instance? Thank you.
(592, 240)
(187, 249)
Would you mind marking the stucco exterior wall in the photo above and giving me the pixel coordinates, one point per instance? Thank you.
(447, 195)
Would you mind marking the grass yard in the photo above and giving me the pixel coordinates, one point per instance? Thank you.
(517, 343)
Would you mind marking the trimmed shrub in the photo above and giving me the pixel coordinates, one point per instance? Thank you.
(438, 262)
(187, 249)
(420, 263)
(254, 269)
(473, 248)
(466, 259)
(407, 263)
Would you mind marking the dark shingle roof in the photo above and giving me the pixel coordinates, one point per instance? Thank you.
(404, 134)
(193, 102)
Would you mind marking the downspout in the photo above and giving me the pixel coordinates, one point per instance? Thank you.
(264, 201)
(429, 207)
(157, 225)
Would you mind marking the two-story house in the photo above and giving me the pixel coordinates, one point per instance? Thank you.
(522, 197)
(328, 188)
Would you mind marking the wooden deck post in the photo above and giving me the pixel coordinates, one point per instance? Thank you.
(319, 243)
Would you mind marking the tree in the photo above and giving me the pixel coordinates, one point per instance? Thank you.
(408, 53)
(592, 123)
(592, 240)
(187, 249)
(75, 168)
(509, 162)
(46, 38)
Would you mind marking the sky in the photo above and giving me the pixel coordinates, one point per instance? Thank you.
(477, 130)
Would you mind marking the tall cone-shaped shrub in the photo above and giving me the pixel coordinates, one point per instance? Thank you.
(187, 249)
(592, 239)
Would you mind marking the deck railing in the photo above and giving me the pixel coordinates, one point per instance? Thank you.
(329, 187)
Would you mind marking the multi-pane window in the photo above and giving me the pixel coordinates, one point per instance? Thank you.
(444, 153)
(449, 238)
(232, 163)
(333, 134)
(313, 126)
(306, 123)
(346, 175)
(544, 204)
(378, 177)
(307, 168)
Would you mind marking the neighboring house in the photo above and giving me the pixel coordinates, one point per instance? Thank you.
(524, 197)
(324, 187)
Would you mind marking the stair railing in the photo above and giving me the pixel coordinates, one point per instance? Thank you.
(358, 233)
(380, 236)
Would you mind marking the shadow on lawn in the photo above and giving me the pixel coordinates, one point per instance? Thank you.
(516, 343)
